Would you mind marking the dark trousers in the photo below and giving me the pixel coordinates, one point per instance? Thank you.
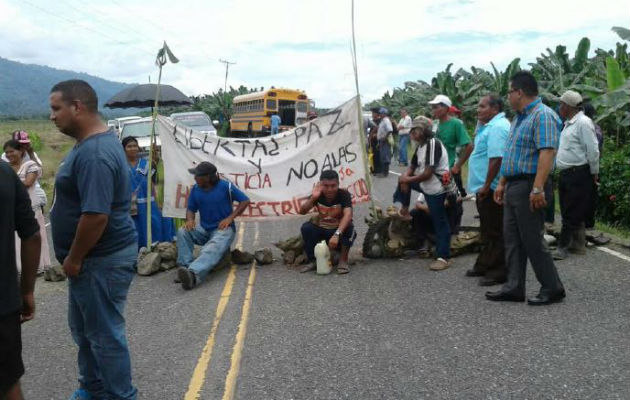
(441, 218)
(460, 184)
(575, 189)
(385, 154)
(421, 224)
(491, 259)
(313, 234)
(523, 231)
(550, 211)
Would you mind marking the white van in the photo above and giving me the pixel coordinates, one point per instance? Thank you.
(118, 123)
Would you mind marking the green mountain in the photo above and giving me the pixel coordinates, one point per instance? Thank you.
(24, 89)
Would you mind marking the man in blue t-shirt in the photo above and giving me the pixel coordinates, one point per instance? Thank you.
(275, 123)
(213, 198)
(95, 241)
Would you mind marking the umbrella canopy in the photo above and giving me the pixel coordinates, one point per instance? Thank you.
(140, 96)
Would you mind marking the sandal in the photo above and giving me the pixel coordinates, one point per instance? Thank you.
(343, 269)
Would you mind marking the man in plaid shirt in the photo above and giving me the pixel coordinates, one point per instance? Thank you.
(527, 161)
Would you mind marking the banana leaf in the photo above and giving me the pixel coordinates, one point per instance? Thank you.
(581, 55)
(614, 75)
(622, 32)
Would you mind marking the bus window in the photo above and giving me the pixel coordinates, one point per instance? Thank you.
(301, 106)
(271, 104)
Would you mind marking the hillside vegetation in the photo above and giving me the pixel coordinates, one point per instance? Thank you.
(24, 88)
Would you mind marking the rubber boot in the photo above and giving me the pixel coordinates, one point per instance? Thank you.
(578, 244)
(564, 242)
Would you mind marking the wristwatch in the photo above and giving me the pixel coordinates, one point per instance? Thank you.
(536, 190)
(337, 232)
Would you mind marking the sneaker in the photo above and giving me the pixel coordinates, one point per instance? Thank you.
(560, 254)
(470, 197)
(187, 277)
(80, 394)
(439, 265)
(176, 279)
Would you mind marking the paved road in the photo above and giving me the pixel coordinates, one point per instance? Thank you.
(391, 329)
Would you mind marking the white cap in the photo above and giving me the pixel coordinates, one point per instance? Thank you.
(571, 98)
(441, 99)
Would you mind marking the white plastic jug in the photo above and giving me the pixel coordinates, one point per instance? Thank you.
(322, 257)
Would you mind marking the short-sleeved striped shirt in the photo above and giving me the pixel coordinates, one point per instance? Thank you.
(537, 127)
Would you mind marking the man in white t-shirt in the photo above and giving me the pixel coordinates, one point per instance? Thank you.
(29, 154)
(404, 125)
(429, 173)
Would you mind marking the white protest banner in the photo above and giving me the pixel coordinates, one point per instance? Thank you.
(276, 172)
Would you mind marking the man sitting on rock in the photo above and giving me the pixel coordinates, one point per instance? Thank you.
(333, 222)
(213, 198)
(429, 174)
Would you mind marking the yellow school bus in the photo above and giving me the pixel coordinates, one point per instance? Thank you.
(251, 113)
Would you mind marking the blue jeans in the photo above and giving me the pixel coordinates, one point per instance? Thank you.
(96, 303)
(403, 142)
(437, 210)
(214, 243)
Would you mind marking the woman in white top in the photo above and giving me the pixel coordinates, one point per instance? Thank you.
(29, 154)
(29, 171)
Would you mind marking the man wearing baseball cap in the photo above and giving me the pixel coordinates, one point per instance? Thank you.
(213, 198)
(428, 173)
(452, 134)
(578, 163)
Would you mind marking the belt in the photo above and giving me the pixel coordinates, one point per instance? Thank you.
(579, 168)
(520, 177)
(144, 200)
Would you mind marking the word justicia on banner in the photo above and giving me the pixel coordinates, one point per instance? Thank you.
(276, 172)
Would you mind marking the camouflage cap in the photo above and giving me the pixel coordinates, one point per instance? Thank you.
(422, 122)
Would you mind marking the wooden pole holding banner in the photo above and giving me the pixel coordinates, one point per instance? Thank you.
(163, 53)
(366, 165)
(149, 174)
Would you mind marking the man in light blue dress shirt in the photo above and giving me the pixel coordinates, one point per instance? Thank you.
(483, 176)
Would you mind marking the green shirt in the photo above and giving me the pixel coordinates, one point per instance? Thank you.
(452, 134)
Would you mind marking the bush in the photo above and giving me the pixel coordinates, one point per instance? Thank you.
(613, 205)
(36, 141)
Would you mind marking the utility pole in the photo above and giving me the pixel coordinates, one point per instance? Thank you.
(227, 67)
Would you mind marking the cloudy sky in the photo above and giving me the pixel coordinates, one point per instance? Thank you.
(298, 44)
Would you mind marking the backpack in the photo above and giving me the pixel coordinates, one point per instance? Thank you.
(447, 182)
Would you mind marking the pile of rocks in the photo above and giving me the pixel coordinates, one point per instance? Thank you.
(162, 258)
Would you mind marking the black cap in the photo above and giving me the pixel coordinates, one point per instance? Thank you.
(204, 168)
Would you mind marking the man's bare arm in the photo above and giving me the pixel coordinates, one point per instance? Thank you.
(30, 251)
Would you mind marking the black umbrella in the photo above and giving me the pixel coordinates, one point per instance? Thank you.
(144, 96)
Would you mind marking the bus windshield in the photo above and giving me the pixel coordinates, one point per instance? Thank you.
(193, 120)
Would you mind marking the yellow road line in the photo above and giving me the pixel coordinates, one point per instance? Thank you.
(241, 231)
(199, 374)
(230, 380)
(232, 376)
